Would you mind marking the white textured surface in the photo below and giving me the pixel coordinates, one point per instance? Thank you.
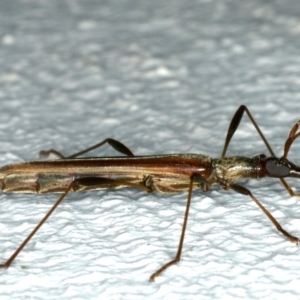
(162, 78)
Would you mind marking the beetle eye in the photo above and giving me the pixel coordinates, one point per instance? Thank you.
(276, 170)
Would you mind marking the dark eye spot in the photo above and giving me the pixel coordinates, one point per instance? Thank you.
(276, 170)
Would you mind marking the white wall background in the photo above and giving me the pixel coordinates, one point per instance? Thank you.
(162, 78)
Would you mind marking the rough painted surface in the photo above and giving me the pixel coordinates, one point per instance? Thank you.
(162, 78)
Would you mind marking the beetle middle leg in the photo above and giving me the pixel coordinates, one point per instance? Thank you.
(194, 177)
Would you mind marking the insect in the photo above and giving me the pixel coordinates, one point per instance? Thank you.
(172, 173)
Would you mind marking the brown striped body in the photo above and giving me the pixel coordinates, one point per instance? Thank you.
(162, 173)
